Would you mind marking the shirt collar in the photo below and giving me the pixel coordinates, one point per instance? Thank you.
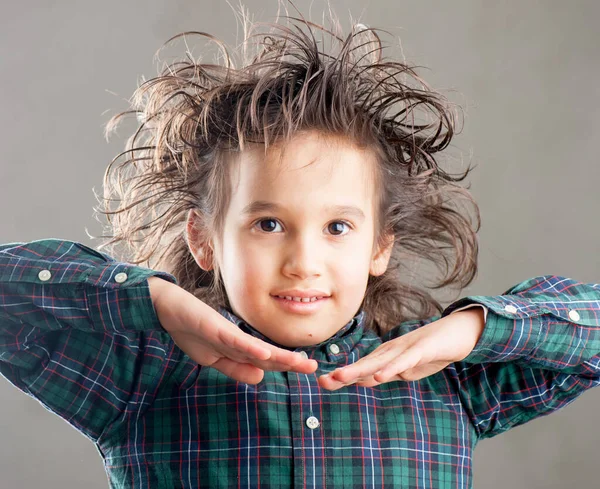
(345, 338)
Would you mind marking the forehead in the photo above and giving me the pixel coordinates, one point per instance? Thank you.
(310, 170)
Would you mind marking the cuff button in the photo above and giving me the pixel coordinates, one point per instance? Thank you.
(120, 277)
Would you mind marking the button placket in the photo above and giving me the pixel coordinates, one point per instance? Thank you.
(306, 417)
(298, 427)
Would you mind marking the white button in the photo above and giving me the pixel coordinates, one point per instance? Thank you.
(44, 275)
(120, 277)
(303, 354)
(512, 309)
(333, 348)
(312, 422)
(574, 315)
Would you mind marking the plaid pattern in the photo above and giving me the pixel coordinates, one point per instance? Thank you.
(86, 343)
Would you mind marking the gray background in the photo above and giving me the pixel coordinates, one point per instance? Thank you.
(526, 73)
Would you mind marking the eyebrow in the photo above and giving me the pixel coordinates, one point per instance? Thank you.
(263, 206)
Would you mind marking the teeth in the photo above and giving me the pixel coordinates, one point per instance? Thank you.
(300, 299)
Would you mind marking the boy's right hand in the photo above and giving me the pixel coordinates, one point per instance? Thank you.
(211, 340)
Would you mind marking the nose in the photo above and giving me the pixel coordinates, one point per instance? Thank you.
(302, 258)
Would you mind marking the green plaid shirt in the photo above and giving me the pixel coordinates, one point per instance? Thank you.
(79, 333)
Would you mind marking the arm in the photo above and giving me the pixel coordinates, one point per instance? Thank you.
(539, 350)
(93, 339)
(78, 332)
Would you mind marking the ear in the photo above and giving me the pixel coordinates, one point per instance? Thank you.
(381, 257)
(201, 250)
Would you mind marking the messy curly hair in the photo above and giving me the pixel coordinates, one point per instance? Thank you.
(194, 114)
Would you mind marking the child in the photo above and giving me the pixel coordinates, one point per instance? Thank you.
(324, 366)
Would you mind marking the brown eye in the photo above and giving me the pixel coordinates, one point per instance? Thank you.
(267, 225)
(337, 228)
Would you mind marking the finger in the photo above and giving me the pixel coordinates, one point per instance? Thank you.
(367, 382)
(279, 359)
(243, 347)
(398, 365)
(304, 366)
(243, 372)
(366, 366)
(329, 383)
(291, 361)
(240, 342)
(423, 371)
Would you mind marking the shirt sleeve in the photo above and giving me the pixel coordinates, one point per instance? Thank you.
(485, 309)
(79, 332)
(539, 350)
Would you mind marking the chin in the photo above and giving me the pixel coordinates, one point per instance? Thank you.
(299, 340)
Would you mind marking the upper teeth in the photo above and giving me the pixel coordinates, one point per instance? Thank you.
(299, 299)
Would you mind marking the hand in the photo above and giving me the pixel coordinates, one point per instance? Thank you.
(415, 355)
(211, 340)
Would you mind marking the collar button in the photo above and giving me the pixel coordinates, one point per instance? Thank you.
(333, 348)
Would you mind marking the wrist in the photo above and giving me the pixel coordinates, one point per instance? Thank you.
(156, 285)
(472, 324)
(476, 317)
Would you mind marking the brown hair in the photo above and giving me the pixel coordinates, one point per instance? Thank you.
(194, 114)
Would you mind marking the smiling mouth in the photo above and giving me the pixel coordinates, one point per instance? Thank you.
(300, 299)
(304, 305)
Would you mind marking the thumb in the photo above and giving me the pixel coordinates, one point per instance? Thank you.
(422, 371)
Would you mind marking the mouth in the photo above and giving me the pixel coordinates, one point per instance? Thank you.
(301, 305)
(300, 299)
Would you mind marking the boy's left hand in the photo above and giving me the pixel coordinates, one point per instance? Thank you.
(415, 355)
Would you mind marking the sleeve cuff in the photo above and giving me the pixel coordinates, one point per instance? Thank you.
(508, 334)
(118, 298)
(485, 309)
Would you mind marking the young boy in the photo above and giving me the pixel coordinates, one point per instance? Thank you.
(323, 367)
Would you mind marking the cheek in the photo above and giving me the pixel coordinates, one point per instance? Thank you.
(352, 267)
(248, 265)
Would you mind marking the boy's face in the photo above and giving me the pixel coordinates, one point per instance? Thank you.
(301, 242)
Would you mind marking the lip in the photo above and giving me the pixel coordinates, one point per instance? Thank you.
(296, 307)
